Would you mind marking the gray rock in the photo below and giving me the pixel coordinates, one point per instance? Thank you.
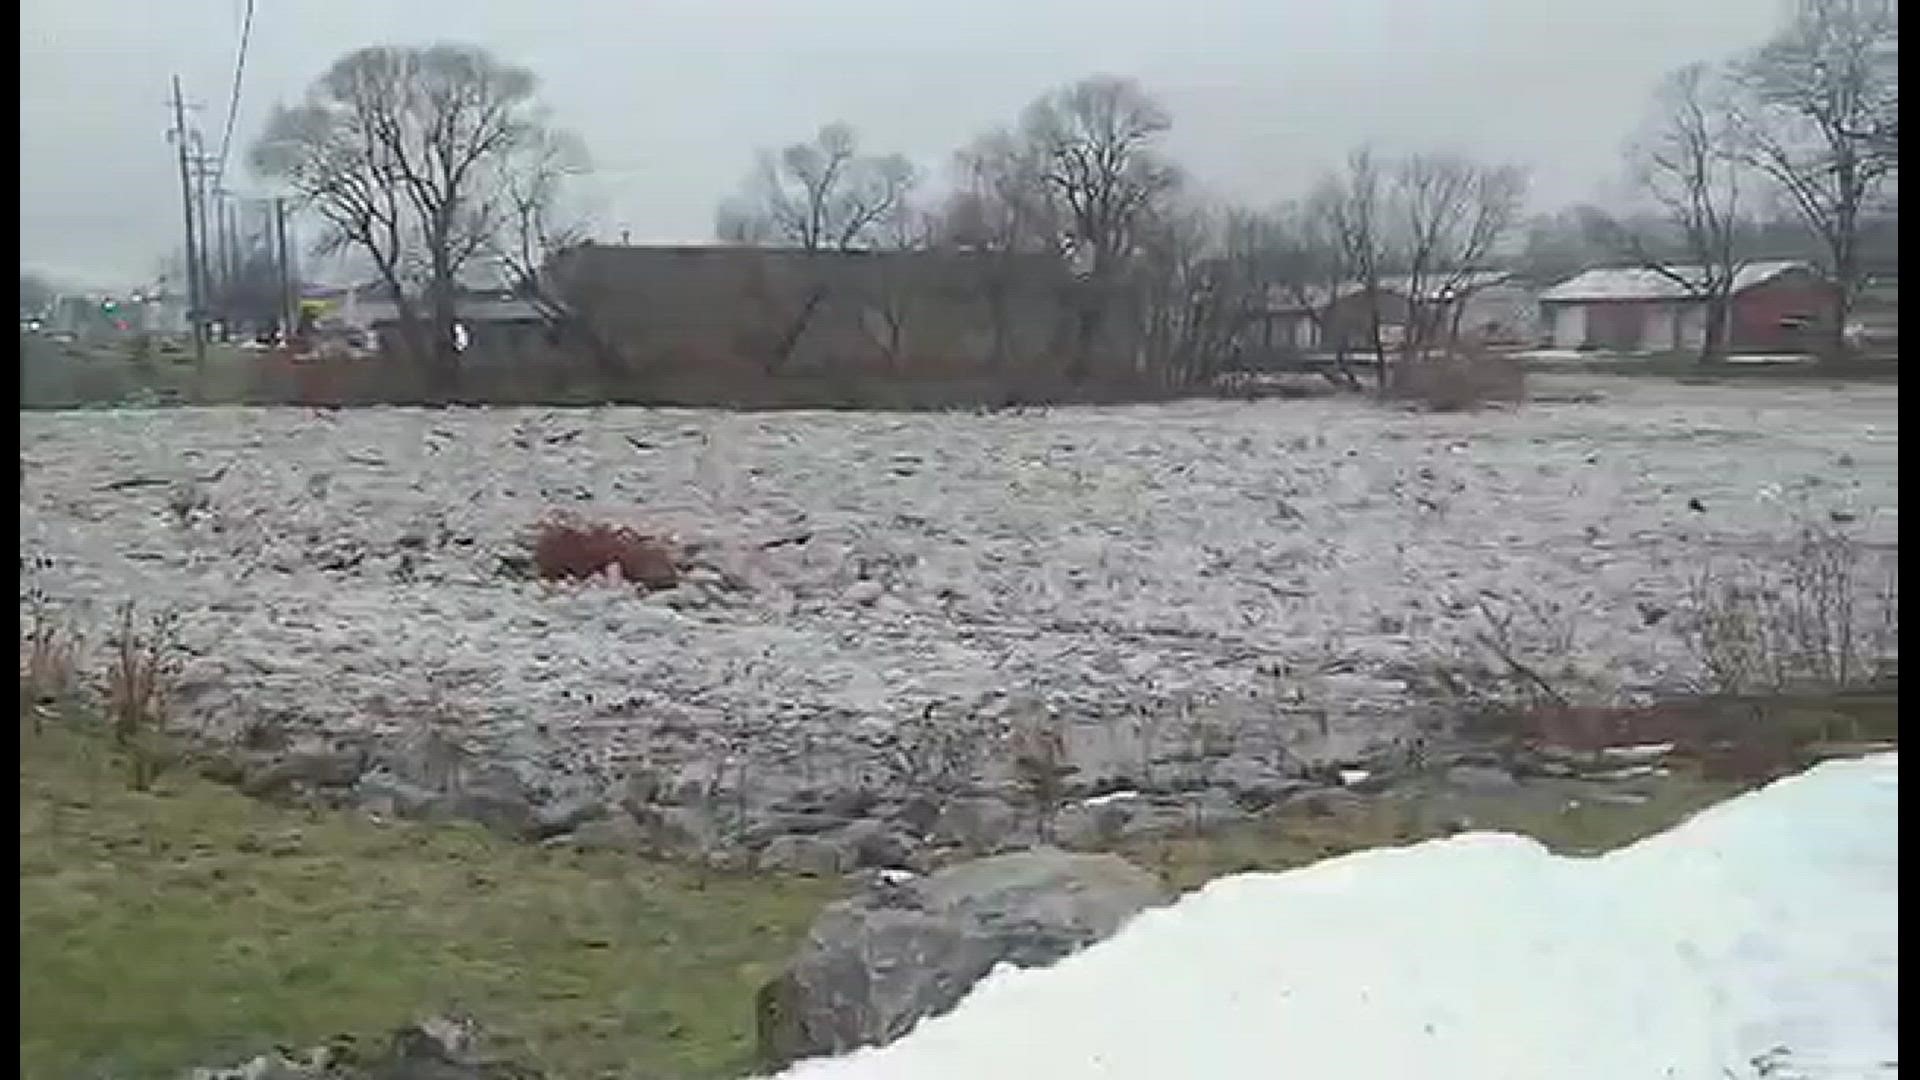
(873, 844)
(500, 809)
(978, 823)
(642, 789)
(768, 826)
(849, 802)
(678, 830)
(618, 832)
(438, 1048)
(566, 815)
(1098, 824)
(917, 814)
(384, 793)
(1481, 778)
(314, 768)
(808, 856)
(875, 965)
(1160, 817)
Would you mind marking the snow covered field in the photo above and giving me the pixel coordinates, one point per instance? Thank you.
(1760, 939)
(1284, 563)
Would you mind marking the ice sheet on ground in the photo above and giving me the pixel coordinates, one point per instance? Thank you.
(1295, 560)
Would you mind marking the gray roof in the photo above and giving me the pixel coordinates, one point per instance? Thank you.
(1642, 283)
(1435, 287)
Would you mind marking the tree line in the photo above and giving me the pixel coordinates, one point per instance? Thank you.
(427, 161)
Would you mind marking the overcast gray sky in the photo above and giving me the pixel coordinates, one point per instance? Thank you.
(672, 96)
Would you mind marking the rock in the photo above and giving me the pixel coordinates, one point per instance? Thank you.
(978, 823)
(437, 1048)
(799, 824)
(496, 799)
(641, 789)
(222, 767)
(1481, 778)
(315, 768)
(678, 830)
(618, 832)
(808, 856)
(917, 814)
(502, 811)
(566, 815)
(1214, 809)
(875, 965)
(849, 802)
(1094, 823)
(873, 844)
(865, 593)
(384, 793)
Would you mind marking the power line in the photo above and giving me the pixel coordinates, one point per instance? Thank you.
(233, 99)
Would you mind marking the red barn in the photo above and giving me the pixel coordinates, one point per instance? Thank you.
(1776, 307)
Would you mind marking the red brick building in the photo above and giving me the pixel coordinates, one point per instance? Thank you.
(1775, 307)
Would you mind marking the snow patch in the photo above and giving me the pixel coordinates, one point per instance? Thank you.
(1758, 939)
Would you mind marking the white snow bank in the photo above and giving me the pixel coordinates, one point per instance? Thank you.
(1758, 939)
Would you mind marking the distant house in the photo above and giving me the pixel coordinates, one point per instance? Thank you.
(1775, 307)
(493, 323)
(1491, 305)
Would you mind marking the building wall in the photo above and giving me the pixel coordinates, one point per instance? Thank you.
(1348, 323)
(1569, 322)
(1620, 326)
(746, 312)
(1503, 314)
(1761, 317)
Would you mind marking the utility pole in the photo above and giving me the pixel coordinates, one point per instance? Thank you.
(202, 169)
(179, 134)
(288, 315)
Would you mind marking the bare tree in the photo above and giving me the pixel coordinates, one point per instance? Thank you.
(1195, 293)
(538, 225)
(400, 152)
(1452, 211)
(1306, 262)
(1686, 163)
(1353, 202)
(1823, 124)
(1093, 146)
(819, 195)
(1002, 214)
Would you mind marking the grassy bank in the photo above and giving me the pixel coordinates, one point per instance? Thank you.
(191, 925)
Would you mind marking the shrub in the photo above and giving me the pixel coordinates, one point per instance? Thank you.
(578, 551)
(1459, 382)
(1802, 626)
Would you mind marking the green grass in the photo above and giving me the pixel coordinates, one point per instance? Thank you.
(1563, 815)
(191, 925)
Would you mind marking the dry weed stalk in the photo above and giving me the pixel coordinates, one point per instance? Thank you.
(49, 656)
(138, 673)
(1040, 764)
